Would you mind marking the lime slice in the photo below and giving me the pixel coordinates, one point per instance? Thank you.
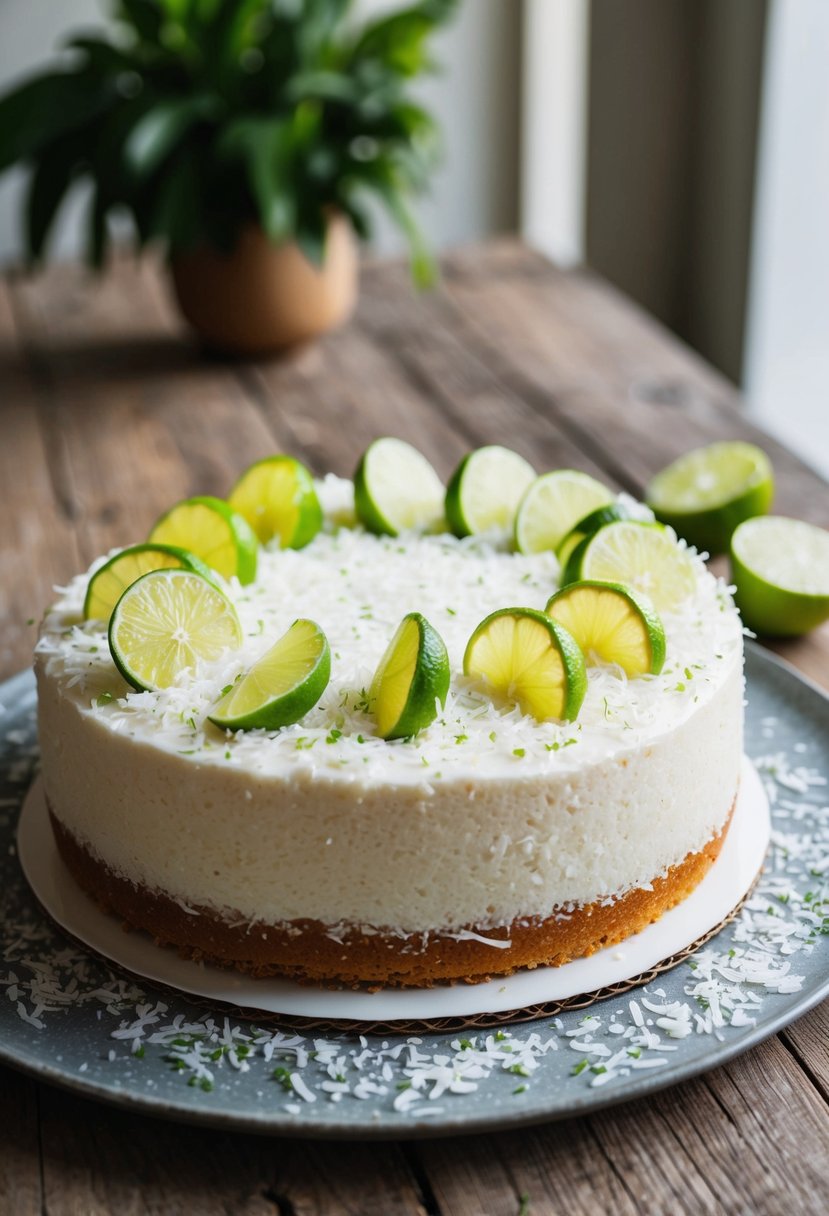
(396, 489)
(613, 623)
(781, 571)
(212, 530)
(165, 622)
(529, 660)
(282, 686)
(411, 679)
(485, 490)
(277, 498)
(621, 508)
(110, 581)
(706, 493)
(552, 505)
(641, 555)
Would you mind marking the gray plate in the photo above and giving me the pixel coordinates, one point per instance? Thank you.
(79, 1002)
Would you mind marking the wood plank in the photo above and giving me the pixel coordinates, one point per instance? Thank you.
(621, 387)
(20, 1190)
(808, 1041)
(97, 1161)
(38, 547)
(139, 419)
(455, 380)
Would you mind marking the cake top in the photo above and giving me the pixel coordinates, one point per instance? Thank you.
(358, 586)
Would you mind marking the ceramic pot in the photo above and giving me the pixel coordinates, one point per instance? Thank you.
(262, 297)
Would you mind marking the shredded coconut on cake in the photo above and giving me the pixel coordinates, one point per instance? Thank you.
(358, 587)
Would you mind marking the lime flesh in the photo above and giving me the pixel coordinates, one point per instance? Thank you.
(780, 568)
(526, 659)
(167, 621)
(110, 581)
(212, 530)
(485, 490)
(552, 505)
(643, 556)
(612, 623)
(282, 686)
(396, 489)
(411, 680)
(707, 493)
(277, 498)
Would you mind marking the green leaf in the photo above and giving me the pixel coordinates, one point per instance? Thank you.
(176, 208)
(399, 39)
(322, 86)
(424, 270)
(43, 109)
(96, 231)
(49, 182)
(146, 17)
(102, 57)
(266, 147)
(161, 128)
(310, 236)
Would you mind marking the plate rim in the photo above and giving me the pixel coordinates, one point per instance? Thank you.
(279, 1123)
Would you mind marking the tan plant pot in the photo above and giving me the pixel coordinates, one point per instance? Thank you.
(262, 297)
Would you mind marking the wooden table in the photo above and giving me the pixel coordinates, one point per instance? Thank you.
(107, 417)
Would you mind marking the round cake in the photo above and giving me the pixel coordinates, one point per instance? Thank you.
(486, 843)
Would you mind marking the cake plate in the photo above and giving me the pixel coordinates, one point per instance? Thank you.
(68, 1017)
(525, 996)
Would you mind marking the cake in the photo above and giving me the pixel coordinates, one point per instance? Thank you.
(487, 843)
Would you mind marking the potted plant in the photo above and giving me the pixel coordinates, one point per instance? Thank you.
(244, 137)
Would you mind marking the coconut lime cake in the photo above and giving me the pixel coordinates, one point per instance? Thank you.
(332, 849)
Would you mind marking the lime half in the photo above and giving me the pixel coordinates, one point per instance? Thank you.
(110, 581)
(411, 679)
(396, 489)
(643, 556)
(707, 493)
(622, 507)
(526, 659)
(780, 568)
(167, 621)
(613, 623)
(277, 498)
(552, 504)
(485, 490)
(282, 686)
(212, 530)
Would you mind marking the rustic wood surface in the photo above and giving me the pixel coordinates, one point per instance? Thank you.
(106, 417)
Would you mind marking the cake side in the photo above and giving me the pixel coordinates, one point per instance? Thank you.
(311, 952)
(474, 850)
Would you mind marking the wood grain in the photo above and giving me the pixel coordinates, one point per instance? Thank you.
(107, 416)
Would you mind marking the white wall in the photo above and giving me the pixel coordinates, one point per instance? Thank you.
(476, 99)
(787, 352)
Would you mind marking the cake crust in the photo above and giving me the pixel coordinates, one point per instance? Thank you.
(307, 952)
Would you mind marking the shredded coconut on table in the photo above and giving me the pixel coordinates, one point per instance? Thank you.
(724, 986)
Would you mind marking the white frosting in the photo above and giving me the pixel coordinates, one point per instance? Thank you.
(485, 817)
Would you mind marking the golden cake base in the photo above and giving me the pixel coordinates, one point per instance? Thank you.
(303, 951)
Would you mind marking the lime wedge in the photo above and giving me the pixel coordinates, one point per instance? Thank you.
(524, 658)
(706, 493)
(110, 581)
(781, 571)
(165, 622)
(621, 508)
(551, 506)
(212, 530)
(282, 686)
(396, 489)
(277, 498)
(643, 556)
(613, 623)
(411, 679)
(485, 490)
